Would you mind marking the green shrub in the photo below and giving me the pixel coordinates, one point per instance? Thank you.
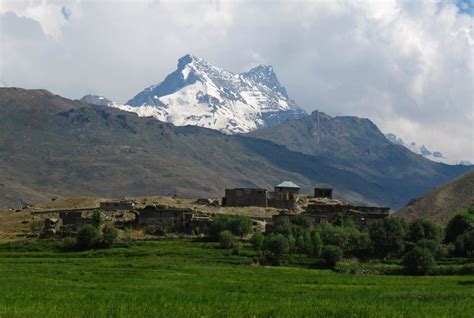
(226, 239)
(276, 245)
(109, 236)
(87, 237)
(240, 225)
(419, 261)
(97, 219)
(331, 255)
(424, 230)
(464, 244)
(459, 224)
(257, 241)
(221, 223)
(437, 250)
(317, 244)
(237, 248)
(387, 236)
(467, 269)
(69, 243)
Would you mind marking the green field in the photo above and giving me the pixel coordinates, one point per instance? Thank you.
(195, 279)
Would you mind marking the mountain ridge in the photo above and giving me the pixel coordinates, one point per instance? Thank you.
(201, 94)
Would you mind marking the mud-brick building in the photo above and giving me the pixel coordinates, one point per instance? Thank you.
(117, 205)
(323, 213)
(245, 197)
(164, 219)
(323, 193)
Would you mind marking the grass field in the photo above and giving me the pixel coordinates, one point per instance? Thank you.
(194, 279)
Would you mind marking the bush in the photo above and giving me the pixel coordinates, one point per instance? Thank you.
(237, 248)
(69, 243)
(87, 237)
(461, 223)
(97, 219)
(276, 245)
(387, 237)
(109, 236)
(226, 239)
(257, 241)
(419, 261)
(240, 225)
(331, 255)
(424, 229)
(317, 244)
(437, 250)
(221, 223)
(333, 235)
(464, 245)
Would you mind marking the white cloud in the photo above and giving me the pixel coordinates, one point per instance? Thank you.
(406, 65)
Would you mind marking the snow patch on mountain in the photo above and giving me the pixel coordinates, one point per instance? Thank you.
(425, 152)
(198, 93)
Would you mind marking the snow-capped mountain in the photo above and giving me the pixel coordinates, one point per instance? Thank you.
(425, 152)
(198, 93)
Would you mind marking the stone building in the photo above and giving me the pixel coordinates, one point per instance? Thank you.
(286, 190)
(245, 197)
(323, 193)
(161, 219)
(117, 205)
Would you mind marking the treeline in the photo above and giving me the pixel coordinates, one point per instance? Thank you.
(94, 235)
(419, 245)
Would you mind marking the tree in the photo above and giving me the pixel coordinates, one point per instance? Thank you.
(387, 236)
(240, 225)
(221, 223)
(257, 241)
(277, 245)
(423, 229)
(97, 219)
(87, 237)
(464, 245)
(437, 250)
(226, 239)
(333, 235)
(308, 243)
(109, 236)
(302, 221)
(317, 244)
(459, 224)
(331, 255)
(419, 261)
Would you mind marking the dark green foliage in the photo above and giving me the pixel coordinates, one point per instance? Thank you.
(257, 241)
(419, 261)
(333, 235)
(331, 255)
(303, 221)
(317, 244)
(240, 225)
(227, 239)
(97, 219)
(109, 236)
(344, 221)
(87, 237)
(276, 245)
(423, 229)
(237, 248)
(387, 236)
(437, 250)
(464, 245)
(220, 223)
(459, 224)
(308, 244)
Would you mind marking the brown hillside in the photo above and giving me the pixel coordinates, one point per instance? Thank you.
(441, 204)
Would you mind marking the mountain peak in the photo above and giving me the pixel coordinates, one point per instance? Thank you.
(201, 94)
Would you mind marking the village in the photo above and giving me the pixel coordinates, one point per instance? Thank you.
(156, 218)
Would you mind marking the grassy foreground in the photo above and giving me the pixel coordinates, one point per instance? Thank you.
(191, 279)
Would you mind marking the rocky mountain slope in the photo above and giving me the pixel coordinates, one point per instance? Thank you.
(53, 145)
(357, 145)
(57, 146)
(425, 152)
(200, 94)
(441, 204)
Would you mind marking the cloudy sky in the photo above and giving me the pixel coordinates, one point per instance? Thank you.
(406, 65)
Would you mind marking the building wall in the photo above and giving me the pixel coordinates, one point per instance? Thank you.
(246, 197)
(112, 206)
(323, 193)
